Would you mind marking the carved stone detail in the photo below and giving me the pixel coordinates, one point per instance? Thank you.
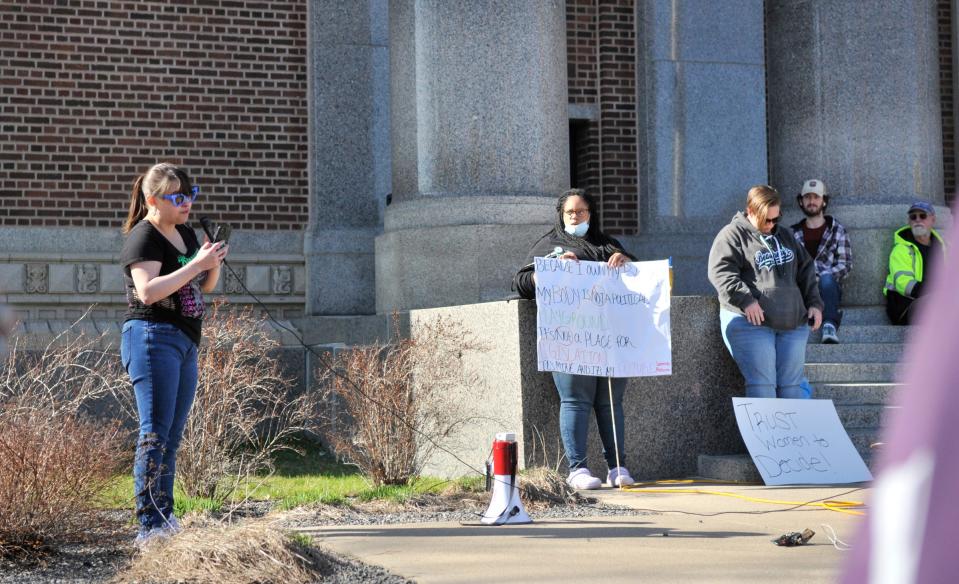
(282, 279)
(88, 278)
(234, 284)
(37, 280)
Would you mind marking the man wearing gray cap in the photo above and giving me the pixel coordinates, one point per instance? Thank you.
(911, 262)
(827, 242)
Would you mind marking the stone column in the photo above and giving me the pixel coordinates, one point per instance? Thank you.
(701, 135)
(480, 146)
(854, 100)
(349, 152)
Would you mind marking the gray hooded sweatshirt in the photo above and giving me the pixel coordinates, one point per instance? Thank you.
(745, 266)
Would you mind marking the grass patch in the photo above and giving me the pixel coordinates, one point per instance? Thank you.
(394, 493)
(288, 492)
(302, 539)
(301, 480)
(306, 498)
(183, 505)
(472, 483)
(117, 494)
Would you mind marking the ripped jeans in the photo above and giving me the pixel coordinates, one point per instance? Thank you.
(162, 363)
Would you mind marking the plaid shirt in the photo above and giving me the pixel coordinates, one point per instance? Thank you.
(835, 251)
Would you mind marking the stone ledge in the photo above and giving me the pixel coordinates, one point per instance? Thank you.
(84, 274)
(36, 334)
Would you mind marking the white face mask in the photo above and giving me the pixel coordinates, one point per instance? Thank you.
(578, 230)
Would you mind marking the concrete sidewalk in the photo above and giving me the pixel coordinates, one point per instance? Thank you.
(661, 546)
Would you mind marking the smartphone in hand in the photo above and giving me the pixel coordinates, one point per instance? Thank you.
(221, 233)
(215, 232)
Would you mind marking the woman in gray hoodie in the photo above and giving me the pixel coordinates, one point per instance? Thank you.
(767, 289)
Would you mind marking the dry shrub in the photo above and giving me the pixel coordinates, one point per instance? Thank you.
(245, 410)
(53, 467)
(543, 486)
(398, 399)
(539, 453)
(251, 553)
(55, 457)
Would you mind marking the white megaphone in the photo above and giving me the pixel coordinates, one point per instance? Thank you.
(505, 507)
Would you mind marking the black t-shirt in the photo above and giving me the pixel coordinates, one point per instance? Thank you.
(929, 255)
(812, 238)
(183, 308)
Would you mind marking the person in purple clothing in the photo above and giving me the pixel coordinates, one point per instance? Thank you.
(909, 534)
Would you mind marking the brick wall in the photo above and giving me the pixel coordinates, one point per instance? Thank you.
(605, 78)
(581, 50)
(947, 95)
(94, 92)
(581, 79)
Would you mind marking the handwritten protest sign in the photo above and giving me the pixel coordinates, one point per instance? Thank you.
(798, 442)
(596, 320)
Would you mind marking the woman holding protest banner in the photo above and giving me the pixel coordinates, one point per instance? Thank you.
(767, 289)
(575, 237)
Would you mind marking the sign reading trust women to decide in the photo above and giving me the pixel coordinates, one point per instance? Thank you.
(608, 322)
(798, 442)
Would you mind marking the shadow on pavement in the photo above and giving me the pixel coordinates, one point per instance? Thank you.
(539, 530)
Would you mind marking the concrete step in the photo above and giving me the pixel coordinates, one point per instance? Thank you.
(856, 393)
(739, 468)
(875, 315)
(851, 372)
(862, 438)
(866, 333)
(860, 416)
(855, 353)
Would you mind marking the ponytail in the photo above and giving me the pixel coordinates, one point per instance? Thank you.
(138, 206)
(161, 178)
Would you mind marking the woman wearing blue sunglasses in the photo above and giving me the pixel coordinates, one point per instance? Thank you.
(166, 271)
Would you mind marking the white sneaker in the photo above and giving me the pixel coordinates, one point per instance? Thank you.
(583, 480)
(619, 477)
(829, 336)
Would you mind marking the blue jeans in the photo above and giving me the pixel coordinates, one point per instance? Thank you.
(578, 394)
(831, 293)
(771, 361)
(162, 363)
(807, 388)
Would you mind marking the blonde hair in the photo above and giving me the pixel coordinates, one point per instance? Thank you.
(759, 199)
(161, 178)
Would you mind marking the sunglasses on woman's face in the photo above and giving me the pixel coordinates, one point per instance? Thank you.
(179, 199)
(774, 220)
(917, 216)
